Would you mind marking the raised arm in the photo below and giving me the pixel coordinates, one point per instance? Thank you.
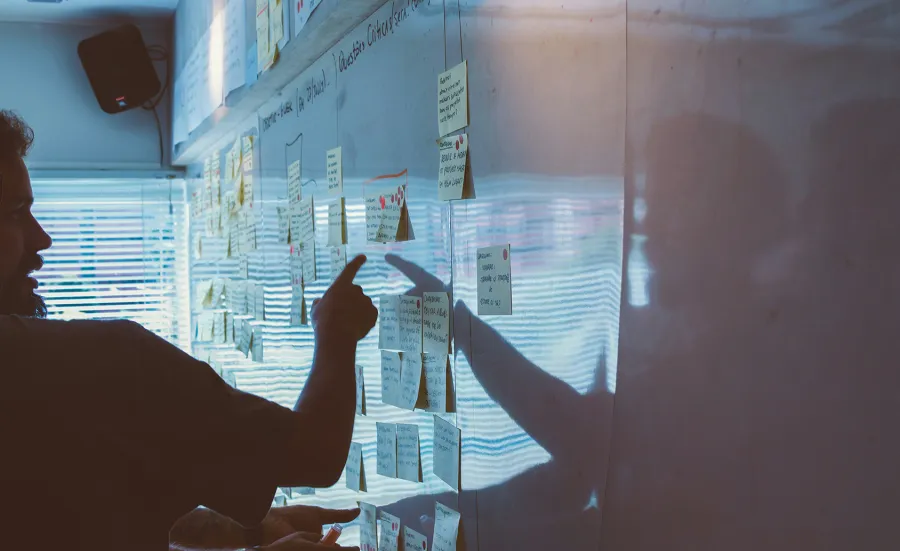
(326, 407)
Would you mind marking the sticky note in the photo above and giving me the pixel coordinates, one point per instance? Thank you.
(368, 522)
(391, 367)
(307, 227)
(436, 323)
(229, 328)
(295, 186)
(337, 223)
(410, 315)
(409, 464)
(387, 218)
(276, 20)
(217, 292)
(218, 323)
(414, 541)
(216, 177)
(389, 322)
(248, 225)
(244, 267)
(360, 391)
(229, 203)
(335, 171)
(204, 327)
(446, 528)
(247, 147)
(390, 532)
(246, 338)
(387, 449)
(453, 99)
(247, 191)
(410, 380)
(284, 225)
(262, 32)
(260, 308)
(298, 306)
(438, 395)
(446, 452)
(197, 245)
(494, 281)
(256, 346)
(454, 152)
(204, 293)
(355, 469)
(338, 260)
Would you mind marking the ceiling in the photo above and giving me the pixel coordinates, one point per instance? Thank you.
(73, 11)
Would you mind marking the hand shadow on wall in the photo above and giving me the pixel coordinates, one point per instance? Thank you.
(554, 505)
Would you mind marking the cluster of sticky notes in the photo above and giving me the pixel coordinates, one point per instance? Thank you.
(382, 531)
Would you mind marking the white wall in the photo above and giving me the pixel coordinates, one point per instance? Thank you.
(42, 79)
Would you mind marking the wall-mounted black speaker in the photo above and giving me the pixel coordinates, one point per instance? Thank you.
(119, 68)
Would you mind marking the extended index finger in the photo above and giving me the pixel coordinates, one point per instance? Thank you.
(346, 276)
(330, 516)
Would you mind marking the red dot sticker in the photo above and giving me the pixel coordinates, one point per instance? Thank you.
(418, 304)
(457, 146)
(505, 254)
(382, 202)
(461, 139)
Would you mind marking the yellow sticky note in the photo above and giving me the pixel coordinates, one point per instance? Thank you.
(386, 449)
(335, 172)
(446, 452)
(276, 20)
(454, 152)
(453, 99)
(262, 33)
(337, 223)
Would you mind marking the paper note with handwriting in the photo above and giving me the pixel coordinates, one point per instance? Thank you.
(390, 532)
(197, 205)
(360, 391)
(389, 322)
(438, 396)
(355, 468)
(215, 174)
(276, 20)
(446, 452)
(298, 306)
(249, 243)
(305, 236)
(436, 323)
(205, 327)
(337, 223)
(410, 381)
(335, 171)
(256, 346)
(446, 528)
(410, 316)
(219, 327)
(197, 245)
(246, 188)
(368, 527)
(387, 449)
(260, 307)
(247, 153)
(494, 281)
(391, 368)
(387, 218)
(295, 185)
(453, 99)
(262, 32)
(409, 463)
(414, 541)
(246, 338)
(302, 11)
(244, 267)
(454, 151)
(338, 260)
(284, 225)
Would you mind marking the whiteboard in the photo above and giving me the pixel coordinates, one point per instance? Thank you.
(534, 389)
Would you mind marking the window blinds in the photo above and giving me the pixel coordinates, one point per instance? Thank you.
(119, 251)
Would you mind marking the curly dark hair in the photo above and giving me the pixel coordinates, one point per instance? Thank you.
(16, 136)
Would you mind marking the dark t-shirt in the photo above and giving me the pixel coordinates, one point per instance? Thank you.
(109, 434)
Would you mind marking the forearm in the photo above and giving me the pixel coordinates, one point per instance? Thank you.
(207, 530)
(326, 408)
